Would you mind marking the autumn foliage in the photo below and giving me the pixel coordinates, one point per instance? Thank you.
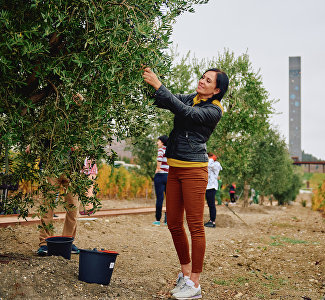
(122, 183)
(318, 201)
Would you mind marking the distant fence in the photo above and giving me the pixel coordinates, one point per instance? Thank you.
(311, 166)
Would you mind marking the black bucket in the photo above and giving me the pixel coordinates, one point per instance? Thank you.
(96, 266)
(59, 246)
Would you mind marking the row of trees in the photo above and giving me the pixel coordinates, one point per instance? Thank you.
(71, 80)
(252, 153)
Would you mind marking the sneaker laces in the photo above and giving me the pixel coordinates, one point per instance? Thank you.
(180, 276)
(189, 284)
(181, 281)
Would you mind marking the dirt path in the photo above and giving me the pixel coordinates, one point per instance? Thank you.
(280, 255)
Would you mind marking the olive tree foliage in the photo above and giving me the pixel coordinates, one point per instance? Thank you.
(251, 152)
(274, 173)
(71, 80)
(247, 109)
(179, 81)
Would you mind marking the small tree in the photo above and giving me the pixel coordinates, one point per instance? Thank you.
(273, 170)
(247, 108)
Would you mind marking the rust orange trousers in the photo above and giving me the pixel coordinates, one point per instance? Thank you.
(186, 193)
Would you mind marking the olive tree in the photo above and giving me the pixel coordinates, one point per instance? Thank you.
(250, 150)
(274, 173)
(71, 80)
(247, 109)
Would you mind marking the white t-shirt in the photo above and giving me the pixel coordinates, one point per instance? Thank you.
(214, 168)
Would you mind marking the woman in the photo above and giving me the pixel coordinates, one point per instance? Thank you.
(214, 168)
(160, 179)
(196, 116)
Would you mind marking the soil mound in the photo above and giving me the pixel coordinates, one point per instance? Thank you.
(225, 221)
(253, 209)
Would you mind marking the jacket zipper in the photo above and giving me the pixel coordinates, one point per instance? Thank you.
(188, 140)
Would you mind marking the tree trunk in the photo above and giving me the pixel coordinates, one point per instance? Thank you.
(245, 194)
(262, 199)
(6, 159)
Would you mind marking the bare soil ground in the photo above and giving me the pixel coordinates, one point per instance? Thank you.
(279, 255)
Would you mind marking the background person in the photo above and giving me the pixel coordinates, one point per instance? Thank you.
(160, 179)
(91, 170)
(232, 193)
(70, 222)
(196, 116)
(214, 168)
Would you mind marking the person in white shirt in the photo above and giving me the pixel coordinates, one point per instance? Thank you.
(160, 179)
(214, 168)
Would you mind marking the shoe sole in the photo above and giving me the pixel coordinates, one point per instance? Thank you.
(189, 298)
(177, 291)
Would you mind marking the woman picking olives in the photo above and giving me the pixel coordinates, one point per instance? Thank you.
(196, 116)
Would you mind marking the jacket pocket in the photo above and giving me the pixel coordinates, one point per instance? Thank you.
(195, 146)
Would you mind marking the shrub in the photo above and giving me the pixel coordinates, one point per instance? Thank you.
(122, 183)
(318, 200)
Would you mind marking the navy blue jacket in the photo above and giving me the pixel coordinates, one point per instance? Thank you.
(193, 125)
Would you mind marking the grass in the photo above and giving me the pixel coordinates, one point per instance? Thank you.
(267, 283)
(222, 282)
(280, 240)
(282, 225)
(274, 284)
(239, 280)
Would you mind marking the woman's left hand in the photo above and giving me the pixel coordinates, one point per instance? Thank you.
(151, 78)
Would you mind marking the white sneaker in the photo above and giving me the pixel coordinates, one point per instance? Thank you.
(181, 280)
(188, 291)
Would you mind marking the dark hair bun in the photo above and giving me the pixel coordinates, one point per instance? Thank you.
(164, 139)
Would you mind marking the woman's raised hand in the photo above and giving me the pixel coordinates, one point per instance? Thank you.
(151, 78)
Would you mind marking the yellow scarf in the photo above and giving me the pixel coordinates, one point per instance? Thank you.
(196, 101)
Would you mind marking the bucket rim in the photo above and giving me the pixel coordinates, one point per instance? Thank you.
(99, 251)
(108, 251)
(59, 236)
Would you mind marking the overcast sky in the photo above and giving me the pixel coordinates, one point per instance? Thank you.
(270, 31)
